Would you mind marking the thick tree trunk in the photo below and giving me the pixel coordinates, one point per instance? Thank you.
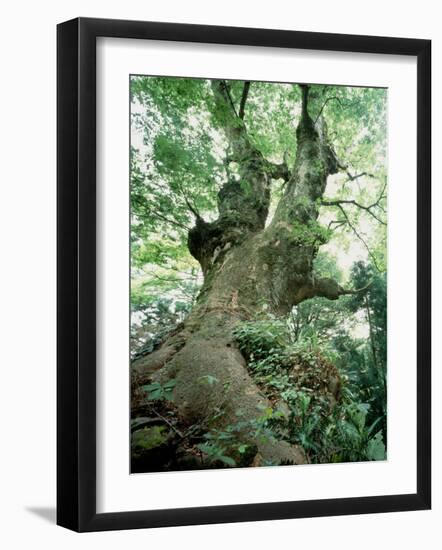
(205, 347)
(246, 267)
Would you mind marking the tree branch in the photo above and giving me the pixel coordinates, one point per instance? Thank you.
(340, 202)
(168, 220)
(336, 223)
(356, 176)
(304, 108)
(226, 91)
(149, 212)
(188, 203)
(240, 143)
(353, 202)
(325, 103)
(326, 288)
(245, 93)
(355, 231)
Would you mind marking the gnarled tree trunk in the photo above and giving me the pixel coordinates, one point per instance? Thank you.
(247, 266)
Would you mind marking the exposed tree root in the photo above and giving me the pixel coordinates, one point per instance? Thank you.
(214, 389)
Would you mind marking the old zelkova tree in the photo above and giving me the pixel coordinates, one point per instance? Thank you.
(236, 174)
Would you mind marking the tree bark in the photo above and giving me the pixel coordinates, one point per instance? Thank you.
(247, 267)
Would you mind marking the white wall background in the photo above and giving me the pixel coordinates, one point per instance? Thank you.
(27, 289)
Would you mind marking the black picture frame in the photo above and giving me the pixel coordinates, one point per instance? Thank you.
(76, 274)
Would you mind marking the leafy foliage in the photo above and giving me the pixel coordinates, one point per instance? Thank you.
(346, 423)
(158, 391)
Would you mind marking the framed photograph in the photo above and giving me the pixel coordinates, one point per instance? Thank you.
(243, 274)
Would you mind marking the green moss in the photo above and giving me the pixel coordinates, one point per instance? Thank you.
(149, 438)
(311, 233)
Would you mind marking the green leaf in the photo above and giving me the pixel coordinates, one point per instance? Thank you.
(227, 460)
(376, 448)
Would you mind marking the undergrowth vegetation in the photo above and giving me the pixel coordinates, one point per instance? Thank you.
(321, 409)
